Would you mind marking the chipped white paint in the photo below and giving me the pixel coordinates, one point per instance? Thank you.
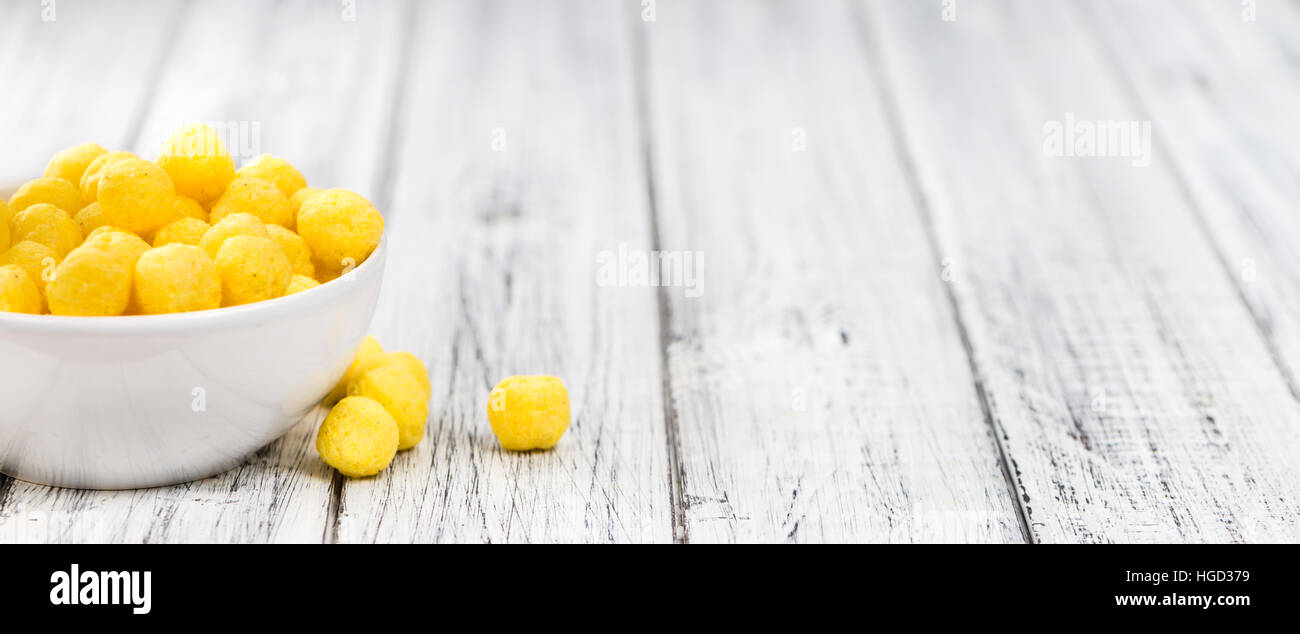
(848, 172)
(1084, 278)
(820, 387)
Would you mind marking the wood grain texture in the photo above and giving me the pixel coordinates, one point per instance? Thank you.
(518, 163)
(107, 54)
(1131, 388)
(1224, 90)
(819, 383)
(312, 86)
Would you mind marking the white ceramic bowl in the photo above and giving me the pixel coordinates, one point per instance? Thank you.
(142, 401)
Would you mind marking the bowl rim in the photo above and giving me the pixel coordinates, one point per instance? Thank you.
(215, 318)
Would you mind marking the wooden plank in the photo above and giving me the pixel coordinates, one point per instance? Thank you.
(819, 382)
(519, 163)
(82, 76)
(1133, 393)
(1224, 90)
(316, 89)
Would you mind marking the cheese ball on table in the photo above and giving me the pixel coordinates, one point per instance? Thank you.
(529, 412)
(18, 292)
(250, 195)
(341, 227)
(400, 394)
(252, 269)
(413, 366)
(183, 231)
(229, 227)
(176, 278)
(93, 281)
(90, 180)
(197, 162)
(358, 437)
(369, 355)
(300, 283)
(48, 225)
(136, 195)
(4, 235)
(47, 190)
(71, 164)
(277, 171)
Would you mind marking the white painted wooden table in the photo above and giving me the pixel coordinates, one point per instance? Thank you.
(913, 323)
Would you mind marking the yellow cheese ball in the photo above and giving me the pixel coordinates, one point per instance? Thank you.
(252, 269)
(18, 292)
(341, 227)
(400, 394)
(278, 171)
(413, 366)
(71, 164)
(4, 235)
(37, 259)
(300, 283)
(49, 190)
(183, 231)
(358, 437)
(295, 248)
(92, 281)
(198, 163)
(296, 200)
(136, 195)
(48, 225)
(5, 215)
(90, 180)
(250, 195)
(90, 218)
(187, 207)
(229, 227)
(529, 412)
(176, 278)
(369, 355)
(124, 242)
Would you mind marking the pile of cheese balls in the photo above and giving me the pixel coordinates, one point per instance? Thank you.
(109, 233)
(385, 401)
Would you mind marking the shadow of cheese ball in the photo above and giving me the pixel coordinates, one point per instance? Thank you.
(529, 412)
(252, 269)
(136, 195)
(358, 437)
(176, 278)
(18, 292)
(197, 162)
(341, 227)
(394, 388)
